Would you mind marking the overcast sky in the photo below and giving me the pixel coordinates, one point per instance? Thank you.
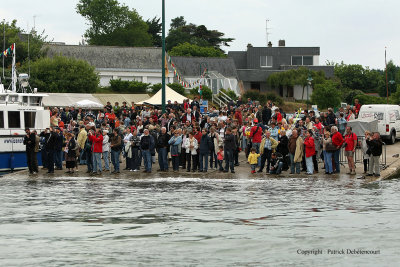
(353, 31)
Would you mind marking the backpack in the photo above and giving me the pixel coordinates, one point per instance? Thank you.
(145, 143)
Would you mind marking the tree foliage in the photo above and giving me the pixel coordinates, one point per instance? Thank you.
(131, 87)
(180, 32)
(206, 92)
(326, 95)
(263, 97)
(111, 23)
(177, 88)
(155, 28)
(192, 50)
(14, 34)
(63, 75)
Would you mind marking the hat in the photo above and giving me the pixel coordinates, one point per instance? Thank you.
(255, 120)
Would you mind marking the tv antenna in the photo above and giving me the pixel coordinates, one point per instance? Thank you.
(267, 29)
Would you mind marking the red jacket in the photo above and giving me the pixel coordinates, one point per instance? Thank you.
(337, 139)
(256, 134)
(238, 116)
(184, 118)
(97, 146)
(198, 137)
(310, 146)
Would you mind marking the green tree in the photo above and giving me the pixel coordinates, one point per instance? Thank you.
(63, 75)
(177, 88)
(192, 50)
(14, 34)
(155, 28)
(326, 95)
(294, 77)
(180, 32)
(111, 23)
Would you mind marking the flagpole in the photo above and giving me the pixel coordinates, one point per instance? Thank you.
(163, 57)
(4, 42)
(387, 85)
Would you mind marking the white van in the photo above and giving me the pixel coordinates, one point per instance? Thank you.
(388, 117)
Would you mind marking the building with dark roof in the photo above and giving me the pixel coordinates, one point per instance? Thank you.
(126, 63)
(256, 64)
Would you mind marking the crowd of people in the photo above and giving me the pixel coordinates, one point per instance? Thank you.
(188, 137)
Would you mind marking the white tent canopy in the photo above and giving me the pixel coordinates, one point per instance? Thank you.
(169, 95)
(88, 104)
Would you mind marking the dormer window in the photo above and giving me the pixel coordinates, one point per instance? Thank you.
(266, 61)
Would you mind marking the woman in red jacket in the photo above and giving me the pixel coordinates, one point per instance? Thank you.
(310, 151)
(97, 149)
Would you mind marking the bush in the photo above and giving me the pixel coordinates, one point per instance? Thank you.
(349, 95)
(229, 93)
(369, 99)
(263, 97)
(132, 87)
(326, 95)
(177, 88)
(155, 87)
(206, 92)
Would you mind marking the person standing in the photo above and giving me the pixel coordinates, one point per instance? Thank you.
(375, 146)
(82, 136)
(295, 152)
(337, 141)
(310, 151)
(116, 148)
(175, 143)
(191, 152)
(58, 152)
(162, 149)
(97, 149)
(256, 135)
(147, 145)
(364, 148)
(229, 148)
(50, 145)
(29, 142)
(327, 149)
(106, 150)
(70, 153)
(204, 151)
(268, 144)
(253, 159)
(350, 141)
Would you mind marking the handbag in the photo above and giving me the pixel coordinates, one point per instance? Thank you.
(330, 147)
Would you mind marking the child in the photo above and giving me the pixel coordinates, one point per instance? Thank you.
(253, 160)
(220, 157)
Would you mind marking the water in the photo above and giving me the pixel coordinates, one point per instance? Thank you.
(189, 221)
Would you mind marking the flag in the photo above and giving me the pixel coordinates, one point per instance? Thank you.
(166, 66)
(200, 89)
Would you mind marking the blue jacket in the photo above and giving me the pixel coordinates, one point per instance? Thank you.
(205, 144)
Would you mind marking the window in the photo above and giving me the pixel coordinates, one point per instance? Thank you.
(255, 86)
(307, 60)
(29, 119)
(14, 119)
(266, 61)
(13, 98)
(397, 114)
(1, 119)
(302, 60)
(2, 98)
(25, 100)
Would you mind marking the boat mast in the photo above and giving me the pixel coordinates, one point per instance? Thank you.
(14, 73)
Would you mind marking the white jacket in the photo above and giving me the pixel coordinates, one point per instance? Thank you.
(195, 146)
(106, 143)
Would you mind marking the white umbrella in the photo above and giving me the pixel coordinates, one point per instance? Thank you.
(88, 104)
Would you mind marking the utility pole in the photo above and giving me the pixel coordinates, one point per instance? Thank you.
(163, 58)
(387, 85)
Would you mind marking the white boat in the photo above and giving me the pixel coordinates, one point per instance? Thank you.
(20, 108)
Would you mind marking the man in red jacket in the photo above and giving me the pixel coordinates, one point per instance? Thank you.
(350, 140)
(256, 135)
(97, 149)
(337, 140)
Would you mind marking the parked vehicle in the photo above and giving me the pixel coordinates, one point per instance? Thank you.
(388, 117)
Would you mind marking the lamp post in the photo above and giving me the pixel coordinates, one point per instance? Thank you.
(309, 80)
(163, 58)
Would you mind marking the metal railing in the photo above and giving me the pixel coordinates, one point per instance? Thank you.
(359, 155)
(221, 98)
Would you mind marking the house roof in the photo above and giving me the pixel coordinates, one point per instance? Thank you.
(194, 66)
(110, 57)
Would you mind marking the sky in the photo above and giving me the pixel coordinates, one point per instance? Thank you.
(352, 31)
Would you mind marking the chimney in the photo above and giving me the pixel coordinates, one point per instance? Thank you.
(281, 43)
(249, 45)
(269, 44)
